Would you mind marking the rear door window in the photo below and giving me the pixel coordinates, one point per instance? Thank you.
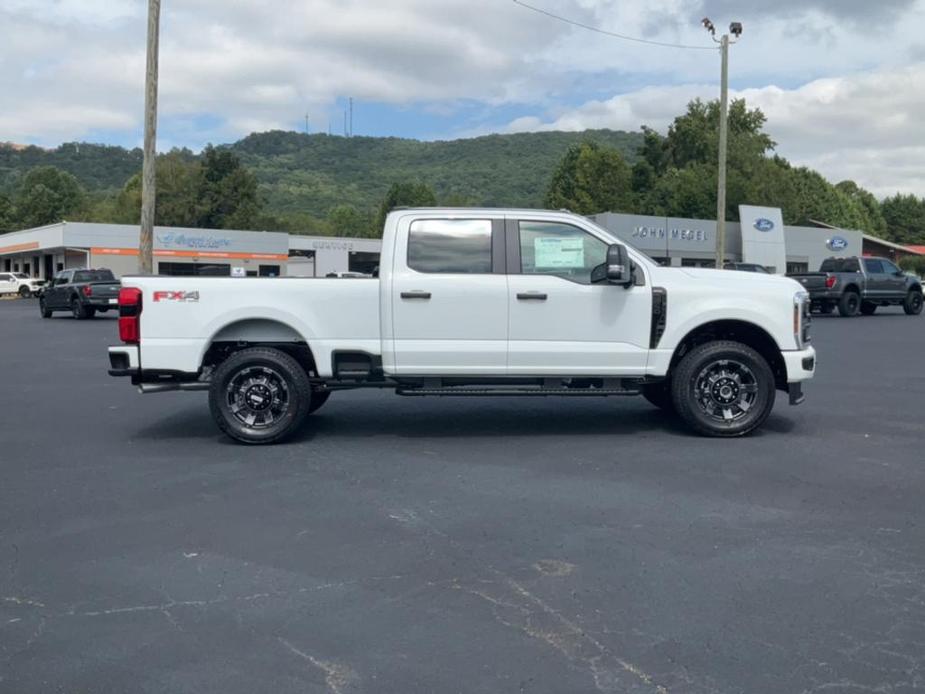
(450, 246)
(873, 267)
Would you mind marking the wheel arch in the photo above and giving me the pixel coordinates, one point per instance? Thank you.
(243, 333)
(737, 330)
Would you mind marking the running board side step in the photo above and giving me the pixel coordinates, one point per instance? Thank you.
(169, 386)
(488, 392)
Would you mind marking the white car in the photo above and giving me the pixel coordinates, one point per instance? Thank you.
(20, 283)
(475, 302)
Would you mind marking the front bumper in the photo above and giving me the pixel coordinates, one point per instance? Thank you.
(801, 366)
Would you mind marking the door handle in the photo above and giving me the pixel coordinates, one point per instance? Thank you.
(415, 295)
(532, 296)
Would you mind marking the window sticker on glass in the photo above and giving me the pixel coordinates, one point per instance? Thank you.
(552, 252)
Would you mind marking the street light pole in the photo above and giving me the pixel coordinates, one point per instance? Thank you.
(723, 140)
(148, 171)
(724, 42)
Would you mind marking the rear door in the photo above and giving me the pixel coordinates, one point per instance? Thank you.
(894, 280)
(449, 298)
(560, 323)
(878, 285)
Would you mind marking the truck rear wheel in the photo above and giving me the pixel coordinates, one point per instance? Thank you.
(912, 304)
(849, 304)
(78, 310)
(260, 395)
(723, 389)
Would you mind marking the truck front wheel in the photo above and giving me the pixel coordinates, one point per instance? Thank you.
(723, 389)
(260, 395)
(913, 303)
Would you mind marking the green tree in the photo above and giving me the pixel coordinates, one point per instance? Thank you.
(868, 204)
(591, 179)
(406, 194)
(227, 195)
(346, 220)
(46, 195)
(178, 185)
(6, 214)
(905, 218)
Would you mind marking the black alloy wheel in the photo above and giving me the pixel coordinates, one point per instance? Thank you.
(260, 395)
(849, 305)
(723, 389)
(912, 304)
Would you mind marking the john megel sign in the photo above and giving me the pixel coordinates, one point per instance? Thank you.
(674, 234)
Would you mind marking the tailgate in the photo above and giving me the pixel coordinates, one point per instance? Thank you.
(811, 280)
(105, 290)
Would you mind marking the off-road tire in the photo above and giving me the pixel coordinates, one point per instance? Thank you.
(912, 304)
(78, 310)
(43, 308)
(687, 395)
(25, 293)
(849, 304)
(281, 372)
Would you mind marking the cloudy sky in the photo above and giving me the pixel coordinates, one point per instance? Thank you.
(842, 81)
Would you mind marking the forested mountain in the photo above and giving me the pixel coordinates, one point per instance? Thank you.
(308, 175)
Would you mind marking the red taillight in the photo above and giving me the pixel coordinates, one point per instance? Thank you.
(830, 281)
(87, 290)
(130, 315)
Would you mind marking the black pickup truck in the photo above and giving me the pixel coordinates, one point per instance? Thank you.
(82, 292)
(859, 285)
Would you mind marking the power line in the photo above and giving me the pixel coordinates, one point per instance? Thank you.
(612, 33)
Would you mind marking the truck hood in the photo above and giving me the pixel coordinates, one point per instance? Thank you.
(724, 277)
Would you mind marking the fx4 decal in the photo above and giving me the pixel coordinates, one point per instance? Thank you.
(176, 296)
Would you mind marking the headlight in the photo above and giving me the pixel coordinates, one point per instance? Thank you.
(801, 319)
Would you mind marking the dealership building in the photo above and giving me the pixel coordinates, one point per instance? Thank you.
(43, 251)
(761, 238)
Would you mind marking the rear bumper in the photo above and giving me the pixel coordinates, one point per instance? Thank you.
(124, 361)
(102, 303)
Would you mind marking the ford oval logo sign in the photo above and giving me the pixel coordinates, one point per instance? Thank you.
(764, 224)
(837, 243)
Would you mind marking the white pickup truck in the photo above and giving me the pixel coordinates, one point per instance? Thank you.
(474, 302)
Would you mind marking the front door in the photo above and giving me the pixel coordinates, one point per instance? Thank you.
(449, 298)
(560, 323)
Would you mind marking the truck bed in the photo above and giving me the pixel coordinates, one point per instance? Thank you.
(181, 316)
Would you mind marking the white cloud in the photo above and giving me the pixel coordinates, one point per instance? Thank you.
(865, 126)
(71, 68)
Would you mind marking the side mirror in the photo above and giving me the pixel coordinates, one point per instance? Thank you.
(619, 266)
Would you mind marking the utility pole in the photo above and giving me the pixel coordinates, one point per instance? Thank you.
(306, 124)
(724, 42)
(351, 116)
(148, 171)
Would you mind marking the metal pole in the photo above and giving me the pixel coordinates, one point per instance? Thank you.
(148, 172)
(723, 135)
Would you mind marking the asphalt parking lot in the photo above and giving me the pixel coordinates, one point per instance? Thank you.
(443, 545)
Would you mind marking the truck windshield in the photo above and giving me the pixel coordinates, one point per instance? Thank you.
(94, 276)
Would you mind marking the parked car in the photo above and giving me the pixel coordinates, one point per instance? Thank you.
(860, 285)
(82, 292)
(20, 283)
(747, 267)
(474, 303)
